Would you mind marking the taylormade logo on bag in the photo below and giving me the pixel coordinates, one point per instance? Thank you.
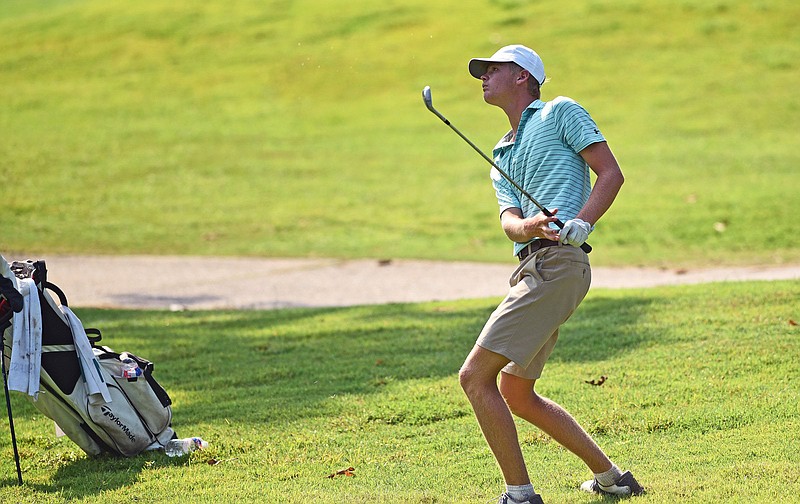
(114, 418)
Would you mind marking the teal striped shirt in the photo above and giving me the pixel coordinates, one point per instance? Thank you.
(545, 160)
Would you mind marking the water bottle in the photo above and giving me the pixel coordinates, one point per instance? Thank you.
(130, 370)
(179, 447)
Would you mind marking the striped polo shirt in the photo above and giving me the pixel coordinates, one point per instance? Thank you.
(545, 160)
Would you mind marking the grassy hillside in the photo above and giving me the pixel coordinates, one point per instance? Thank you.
(277, 128)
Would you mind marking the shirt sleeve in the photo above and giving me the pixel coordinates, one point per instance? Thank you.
(506, 196)
(578, 127)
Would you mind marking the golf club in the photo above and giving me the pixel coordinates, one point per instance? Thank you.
(11, 294)
(10, 301)
(426, 97)
(8, 409)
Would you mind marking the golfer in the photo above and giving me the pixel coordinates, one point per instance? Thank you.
(549, 151)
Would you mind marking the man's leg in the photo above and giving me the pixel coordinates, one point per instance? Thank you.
(554, 420)
(478, 377)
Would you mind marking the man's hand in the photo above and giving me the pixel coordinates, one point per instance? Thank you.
(522, 230)
(575, 232)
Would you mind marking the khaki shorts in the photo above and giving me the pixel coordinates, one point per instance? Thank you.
(545, 290)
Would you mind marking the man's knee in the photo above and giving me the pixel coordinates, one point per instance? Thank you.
(475, 380)
(480, 371)
(466, 377)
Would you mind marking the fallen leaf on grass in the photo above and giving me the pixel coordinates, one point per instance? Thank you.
(343, 472)
(792, 322)
(213, 461)
(597, 383)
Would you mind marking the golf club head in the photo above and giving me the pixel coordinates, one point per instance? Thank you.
(426, 97)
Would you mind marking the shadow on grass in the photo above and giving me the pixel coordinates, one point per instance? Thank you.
(256, 367)
(269, 367)
(76, 475)
(602, 328)
(91, 476)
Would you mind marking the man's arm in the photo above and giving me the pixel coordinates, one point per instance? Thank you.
(609, 180)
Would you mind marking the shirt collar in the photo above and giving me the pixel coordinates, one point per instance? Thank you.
(533, 107)
(536, 105)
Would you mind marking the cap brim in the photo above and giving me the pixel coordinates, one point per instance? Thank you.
(478, 66)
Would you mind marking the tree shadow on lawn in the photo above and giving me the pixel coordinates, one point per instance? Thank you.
(254, 368)
(603, 327)
(270, 366)
(91, 476)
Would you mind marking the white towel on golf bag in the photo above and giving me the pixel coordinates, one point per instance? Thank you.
(96, 387)
(26, 341)
(5, 269)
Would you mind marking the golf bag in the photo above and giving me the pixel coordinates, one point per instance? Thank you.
(138, 415)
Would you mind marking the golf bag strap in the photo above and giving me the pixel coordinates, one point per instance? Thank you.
(93, 340)
(62, 298)
(58, 348)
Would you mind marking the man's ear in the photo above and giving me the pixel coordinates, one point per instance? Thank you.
(523, 76)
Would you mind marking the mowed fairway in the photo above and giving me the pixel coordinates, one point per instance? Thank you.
(297, 129)
(276, 128)
(701, 400)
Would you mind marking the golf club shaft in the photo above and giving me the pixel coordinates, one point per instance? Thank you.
(428, 103)
(8, 408)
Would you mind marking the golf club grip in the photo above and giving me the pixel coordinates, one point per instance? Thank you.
(13, 296)
(584, 246)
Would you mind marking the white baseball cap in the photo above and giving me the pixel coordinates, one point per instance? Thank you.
(519, 54)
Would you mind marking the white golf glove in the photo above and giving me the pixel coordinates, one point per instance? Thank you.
(575, 232)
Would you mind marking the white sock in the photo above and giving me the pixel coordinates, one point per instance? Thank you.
(609, 477)
(520, 493)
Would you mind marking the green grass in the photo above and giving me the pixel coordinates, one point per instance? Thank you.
(277, 128)
(701, 402)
